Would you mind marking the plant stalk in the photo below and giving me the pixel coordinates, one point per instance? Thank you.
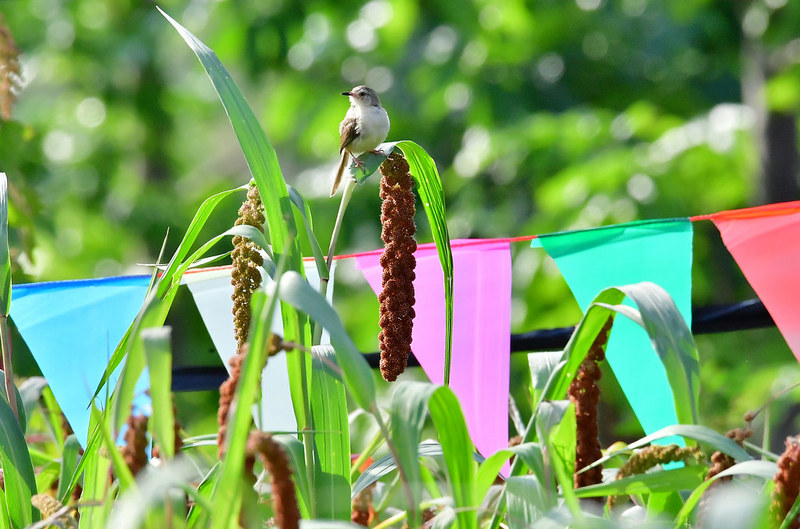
(347, 194)
(403, 478)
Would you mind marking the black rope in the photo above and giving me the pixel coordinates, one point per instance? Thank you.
(749, 314)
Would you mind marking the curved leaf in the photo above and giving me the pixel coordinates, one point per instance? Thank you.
(158, 351)
(687, 477)
(410, 402)
(763, 469)
(263, 163)
(332, 440)
(154, 309)
(429, 184)
(296, 291)
(20, 482)
(669, 334)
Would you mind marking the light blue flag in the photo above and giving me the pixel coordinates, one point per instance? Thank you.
(656, 251)
(72, 329)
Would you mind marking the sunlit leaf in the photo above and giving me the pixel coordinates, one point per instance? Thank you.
(684, 478)
(19, 480)
(296, 291)
(332, 440)
(69, 462)
(158, 351)
(263, 163)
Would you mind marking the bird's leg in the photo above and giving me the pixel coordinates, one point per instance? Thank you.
(379, 152)
(358, 163)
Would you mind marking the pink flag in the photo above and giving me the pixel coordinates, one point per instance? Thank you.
(479, 369)
(765, 243)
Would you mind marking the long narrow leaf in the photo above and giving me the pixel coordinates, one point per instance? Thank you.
(457, 446)
(20, 482)
(5, 256)
(332, 440)
(227, 494)
(305, 212)
(762, 469)
(294, 451)
(684, 478)
(166, 282)
(409, 409)
(159, 365)
(429, 184)
(296, 291)
(527, 501)
(703, 434)
(668, 332)
(263, 163)
(69, 462)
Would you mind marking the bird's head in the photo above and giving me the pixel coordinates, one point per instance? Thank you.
(363, 96)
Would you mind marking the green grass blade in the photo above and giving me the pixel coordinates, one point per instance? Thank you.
(684, 478)
(23, 421)
(429, 184)
(198, 515)
(488, 472)
(20, 482)
(145, 503)
(294, 451)
(762, 469)
(69, 462)
(699, 433)
(305, 212)
(672, 340)
(668, 332)
(167, 284)
(95, 467)
(356, 372)
(526, 501)
(408, 410)
(332, 440)
(126, 479)
(458, 449)
(263, 164)
(5, 523)
(159, 365)
(5, 256)
(556, 429)
(579, 343)
(387, 464)
(227, 495)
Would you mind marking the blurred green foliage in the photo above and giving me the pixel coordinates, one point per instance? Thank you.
(542, 117)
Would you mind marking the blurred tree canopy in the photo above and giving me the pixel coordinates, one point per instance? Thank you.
(542, 116)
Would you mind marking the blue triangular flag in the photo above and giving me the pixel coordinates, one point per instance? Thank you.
(71, 329)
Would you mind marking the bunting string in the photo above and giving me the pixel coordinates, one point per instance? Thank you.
(84, 320)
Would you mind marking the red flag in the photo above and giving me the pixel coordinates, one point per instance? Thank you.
(765, 242)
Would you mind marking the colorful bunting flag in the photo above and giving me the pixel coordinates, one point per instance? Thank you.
(72, 329)
(479, 371)
(656, 251)
(765, 242)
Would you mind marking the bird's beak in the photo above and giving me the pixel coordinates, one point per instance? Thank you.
(347, 93)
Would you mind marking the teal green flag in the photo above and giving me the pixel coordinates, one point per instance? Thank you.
(657, 251)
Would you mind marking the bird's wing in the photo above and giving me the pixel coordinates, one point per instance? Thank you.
(348, 132)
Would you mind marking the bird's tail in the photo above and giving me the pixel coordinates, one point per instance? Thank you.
(340, 171)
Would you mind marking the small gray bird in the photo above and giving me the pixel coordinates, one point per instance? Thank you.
(363, 128)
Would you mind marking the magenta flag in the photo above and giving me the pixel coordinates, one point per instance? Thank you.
(765, 242)
(479, 369)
